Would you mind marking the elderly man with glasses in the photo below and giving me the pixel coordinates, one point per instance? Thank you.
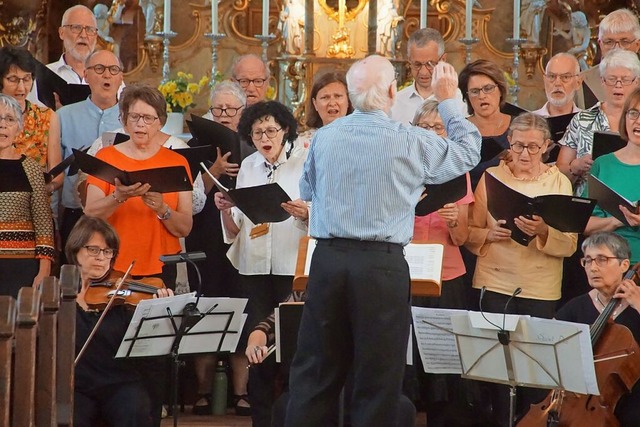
(252, 74)
(562, 80)
(425, 49)
(620, 29)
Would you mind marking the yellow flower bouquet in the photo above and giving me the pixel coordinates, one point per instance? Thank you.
(179, 92)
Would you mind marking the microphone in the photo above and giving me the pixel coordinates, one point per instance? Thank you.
(190, 314)
(482, 291)
(503, 335)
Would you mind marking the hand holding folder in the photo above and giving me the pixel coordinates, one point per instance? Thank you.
(261, 204)
(610, 201)
(435, 197)
(562, 212)
(162, 180)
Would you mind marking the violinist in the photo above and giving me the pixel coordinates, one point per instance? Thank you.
(606, 259)
(106, 388)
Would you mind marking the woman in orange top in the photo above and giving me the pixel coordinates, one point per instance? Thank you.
(148, 223)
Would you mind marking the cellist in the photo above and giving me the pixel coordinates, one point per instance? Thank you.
(606, 259)
(106, 389)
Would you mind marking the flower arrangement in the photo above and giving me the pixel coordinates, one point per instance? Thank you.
(179, 92)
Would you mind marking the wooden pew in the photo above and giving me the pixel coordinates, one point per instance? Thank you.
(7, 331)
(46, 414)
(24, 369)
(66, 348)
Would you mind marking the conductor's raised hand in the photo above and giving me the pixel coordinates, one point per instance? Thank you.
(444, 81)
(222, 203)
(124, 192)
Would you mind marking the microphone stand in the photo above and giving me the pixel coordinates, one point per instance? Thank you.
(190, 317)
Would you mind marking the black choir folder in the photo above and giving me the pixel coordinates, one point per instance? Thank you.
(261, 204)
(562, 212)
(287, 321)
(195, 156)
(605, 142)
(436, 196)
(208, 132)
(609, 200)
(49, 82)
(162, 180)
(490, 149)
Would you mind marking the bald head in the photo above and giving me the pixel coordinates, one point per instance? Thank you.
(370, 83)
(252, 74)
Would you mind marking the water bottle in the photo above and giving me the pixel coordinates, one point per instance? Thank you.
(219, 404)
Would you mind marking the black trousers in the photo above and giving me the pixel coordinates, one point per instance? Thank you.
(356, 317)
(122, 405)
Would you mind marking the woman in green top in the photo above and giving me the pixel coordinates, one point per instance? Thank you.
(620, 171)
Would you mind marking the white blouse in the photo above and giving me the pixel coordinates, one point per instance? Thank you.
(275, 252)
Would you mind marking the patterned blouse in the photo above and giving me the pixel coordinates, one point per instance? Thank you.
(33, 141)
(579, 135)
(26, 227)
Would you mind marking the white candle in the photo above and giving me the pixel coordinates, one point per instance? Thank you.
(265, 17)
(468, 19)
(423, 13)
(167, 16)
(214, 16)
(516, 19)
(342, 10)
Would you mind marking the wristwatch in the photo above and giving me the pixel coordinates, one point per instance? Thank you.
(165, 216)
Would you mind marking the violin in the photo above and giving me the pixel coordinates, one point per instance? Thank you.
(617, 357)
(100, 292)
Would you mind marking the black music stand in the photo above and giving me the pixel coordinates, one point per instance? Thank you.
(533, 352)
(167, 326)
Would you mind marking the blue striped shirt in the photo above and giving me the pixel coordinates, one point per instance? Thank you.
(365, 172)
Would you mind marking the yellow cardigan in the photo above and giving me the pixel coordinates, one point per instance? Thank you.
(506, 265)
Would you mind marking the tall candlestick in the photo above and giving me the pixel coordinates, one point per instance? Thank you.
(423, 13)
(214, 16)
(265, 17)
(516, 19)
(167, 16)
(468, 18)
(342, 9)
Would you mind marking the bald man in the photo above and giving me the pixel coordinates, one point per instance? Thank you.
(364, 176)
(561, 83)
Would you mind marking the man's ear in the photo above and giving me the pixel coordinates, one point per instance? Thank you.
(61, 32)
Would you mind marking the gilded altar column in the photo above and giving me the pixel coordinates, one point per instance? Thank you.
(308, 27)
(373, 26)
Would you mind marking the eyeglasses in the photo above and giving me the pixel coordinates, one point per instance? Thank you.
(624, 43)
(430, 65)
(633, 115)
(437, 128)
(564, 78)
(519, 148)
(77, 29)
(246, 82)
(229, 111)
(95, 251)
(10, 120)
(486, 89)
(256, 135)
(100, 69)
(146, 118)
(613, 80)
(15, 80)
(601, 260)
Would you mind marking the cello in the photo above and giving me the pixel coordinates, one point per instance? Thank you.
(617, 364)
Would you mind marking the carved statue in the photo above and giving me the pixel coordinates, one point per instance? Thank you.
(291, 26)
(150, 17)
(101, 12)
(580, 35)
(388, 31)
(531, 14)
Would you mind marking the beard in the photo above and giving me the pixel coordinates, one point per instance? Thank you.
(560, 102)
(78, 55)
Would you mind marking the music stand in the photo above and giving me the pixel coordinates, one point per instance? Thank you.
(529, 352)
(160, 327)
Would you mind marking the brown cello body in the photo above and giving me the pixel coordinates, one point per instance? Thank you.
(617, 366)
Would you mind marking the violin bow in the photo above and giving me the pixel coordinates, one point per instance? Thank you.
(119, 285)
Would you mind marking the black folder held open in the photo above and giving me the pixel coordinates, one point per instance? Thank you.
(49, 82)
(435, 197)
(208, 132)
(261, 204)
(562, 212)
(609, 200)
(605, 142)
(162, 180)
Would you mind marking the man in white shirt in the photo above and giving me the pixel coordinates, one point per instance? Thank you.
(561, 82)
(618, 30)
(425, 49)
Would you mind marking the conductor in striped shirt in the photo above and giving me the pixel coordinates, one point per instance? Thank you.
(364, 175)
